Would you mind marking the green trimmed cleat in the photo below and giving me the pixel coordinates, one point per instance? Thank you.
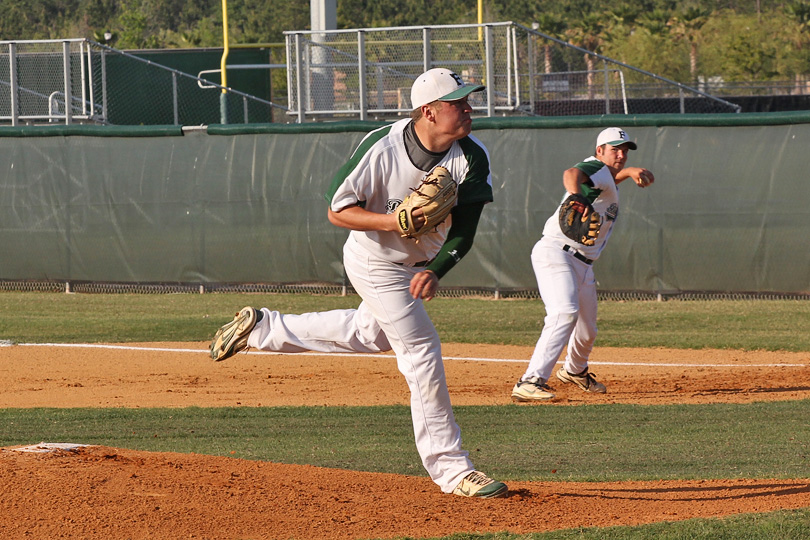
(478, 485)
(232, 338)
(532, 389)
(584, 380)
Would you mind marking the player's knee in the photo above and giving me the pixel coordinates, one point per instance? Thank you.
(562, 318)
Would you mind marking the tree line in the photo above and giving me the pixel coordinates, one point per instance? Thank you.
(738, 40)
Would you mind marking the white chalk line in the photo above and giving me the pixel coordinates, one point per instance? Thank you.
(378, 355)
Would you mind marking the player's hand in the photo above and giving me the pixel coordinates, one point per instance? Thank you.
(418, 218)
(424, 285)
(584, 209)
(643, 177)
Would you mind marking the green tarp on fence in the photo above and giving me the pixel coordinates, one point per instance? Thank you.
(245, 203)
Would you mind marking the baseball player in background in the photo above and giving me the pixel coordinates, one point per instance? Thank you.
(394, 275)
(564, 270)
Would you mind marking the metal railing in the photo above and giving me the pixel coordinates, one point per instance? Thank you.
(38, 80)
(368, 72)
(337, 74)
(79, 80)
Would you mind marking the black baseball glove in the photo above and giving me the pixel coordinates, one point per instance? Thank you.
(579, 221)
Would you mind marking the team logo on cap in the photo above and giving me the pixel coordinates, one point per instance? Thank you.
(458, 79)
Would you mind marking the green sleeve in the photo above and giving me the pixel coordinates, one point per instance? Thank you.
(590, 168)
(476, 187)
(459, 238)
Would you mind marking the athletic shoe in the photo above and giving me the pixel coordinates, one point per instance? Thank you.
(477, 484)
(584, 380)
(232, 338)
(532, 389)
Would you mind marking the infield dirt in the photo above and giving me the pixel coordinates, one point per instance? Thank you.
(102, 493)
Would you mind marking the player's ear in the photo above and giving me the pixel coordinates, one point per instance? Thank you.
(429, 111)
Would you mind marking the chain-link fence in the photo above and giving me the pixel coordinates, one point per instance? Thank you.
(367, 73)
(77, 80)
(106, 287)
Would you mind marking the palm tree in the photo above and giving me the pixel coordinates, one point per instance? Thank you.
(624, 17)
(587, 33)
(655, 22)
(686, 26)
(799, 11)
(553, 26)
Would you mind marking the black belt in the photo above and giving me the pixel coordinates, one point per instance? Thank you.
(577, 254)
(416, 264)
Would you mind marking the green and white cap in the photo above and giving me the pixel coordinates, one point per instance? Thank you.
(615, 137)
(440, 84)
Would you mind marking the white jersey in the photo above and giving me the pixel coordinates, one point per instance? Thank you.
(604, 197)
(380, 175)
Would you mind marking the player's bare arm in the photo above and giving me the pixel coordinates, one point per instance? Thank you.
(641, 176)
(572, 179)
(424, 284)
(359, 219)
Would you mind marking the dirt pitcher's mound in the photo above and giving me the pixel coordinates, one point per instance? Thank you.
(101, 493)
(98, 492)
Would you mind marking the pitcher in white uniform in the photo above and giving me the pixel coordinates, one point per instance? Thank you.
(564, 271)
(395, 275)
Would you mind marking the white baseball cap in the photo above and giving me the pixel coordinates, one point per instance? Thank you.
(615, 137)
(440, 84)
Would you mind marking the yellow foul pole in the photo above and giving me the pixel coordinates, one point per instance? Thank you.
(480, 17)
(223, 105)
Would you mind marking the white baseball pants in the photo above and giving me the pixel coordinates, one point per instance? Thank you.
(388, 318)
(568, 289)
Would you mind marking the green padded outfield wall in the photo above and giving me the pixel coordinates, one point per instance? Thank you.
(728, 211)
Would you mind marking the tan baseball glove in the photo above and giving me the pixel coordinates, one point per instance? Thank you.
(436, 196)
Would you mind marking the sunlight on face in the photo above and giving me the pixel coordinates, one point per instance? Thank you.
(613, 156)
(453, 117)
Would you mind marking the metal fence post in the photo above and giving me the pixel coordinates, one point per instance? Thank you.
(427, 59)
(361, 73)
(490, 70)
(298, 84)
(90, 89)
(104, 85)
(175, 105)
(378, 70)
(66, 66)
(12, 70)
(530, 60)
(308, 72)
(509, 67)
(517, 66)
(607, 87)
(82, 78)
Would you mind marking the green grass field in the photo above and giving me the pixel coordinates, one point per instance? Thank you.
(740, 324)
(618, 442)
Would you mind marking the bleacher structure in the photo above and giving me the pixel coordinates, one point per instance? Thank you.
(361, 74)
